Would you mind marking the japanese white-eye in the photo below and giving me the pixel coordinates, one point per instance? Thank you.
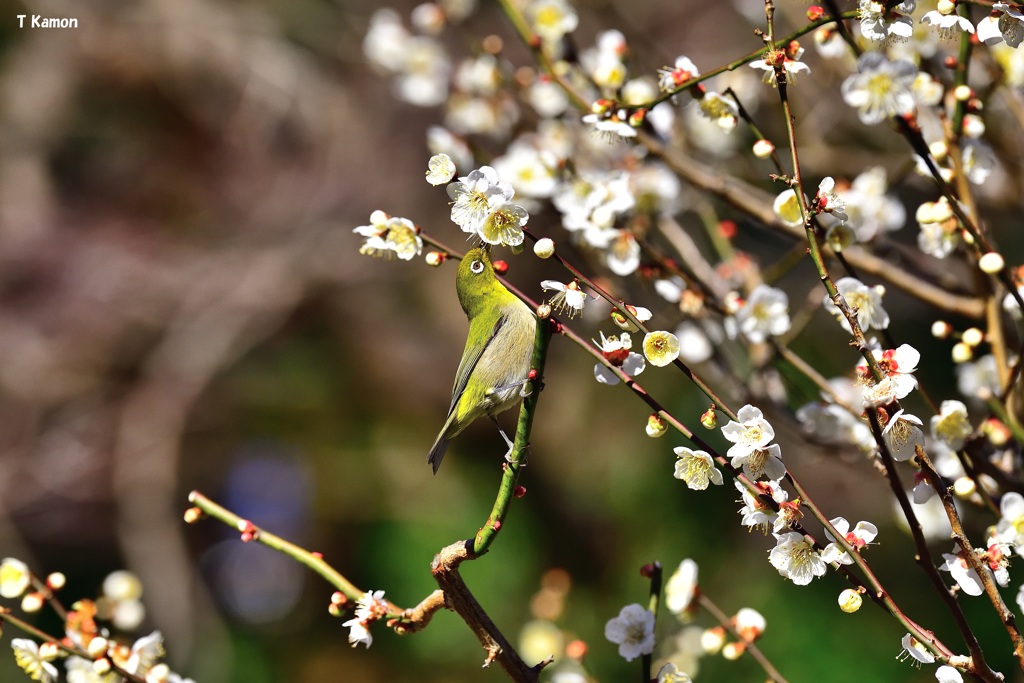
(496, 360)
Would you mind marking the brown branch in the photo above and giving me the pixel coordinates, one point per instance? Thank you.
(459, 599)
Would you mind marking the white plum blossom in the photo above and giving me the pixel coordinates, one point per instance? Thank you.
(552, 19)
(883, 25)
(750, 433)
(616, 350)
(696, 468)
(979, 161)
(591, 204)
(756, 513)
(867, 301)
(661, 348)
(370, 607)
(568, 297)
(530, 170)
(788, 58)
(1008, 27)
(750, 624)
(441, 140)
(913, 649)
(762, 463)
(603, 63)
(681, 587)
(795, 558)
(765, 313)
(948, 674)
(15, 577)
(27, 656)
(938, 239)
(827, 200)
(947, 24)
(482, 207)
(962, 572)
(880, 88)
(623, 254)
(869, 209)
(547, 97)
(787, 208)
(440, 169)
(902, 436)
(670, 673)
(862, 534)
(897, 367)
(1010, 527)
(632, 631)
(613, 125)
(951, 425)
(980, 379)
(671, 77)
(722, 110)
(389, 236)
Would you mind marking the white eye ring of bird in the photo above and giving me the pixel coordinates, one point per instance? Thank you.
(477, 267)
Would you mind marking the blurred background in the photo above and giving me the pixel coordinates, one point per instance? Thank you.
(183, 306)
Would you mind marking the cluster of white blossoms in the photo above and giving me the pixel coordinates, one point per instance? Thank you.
(633, 629)
(607, 195)
(390, 237)
(483, 207)
(764, 314)
(119, 605)
(752, 449)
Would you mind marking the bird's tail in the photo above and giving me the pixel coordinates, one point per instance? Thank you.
(438, 450)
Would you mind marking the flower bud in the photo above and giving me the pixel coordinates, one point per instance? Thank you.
(544, 248)
(733, 651)
(941, 329)
(709, 418)
(656, 426)
(991, 263)
(712, 639)
(435, 258)
(998, 433)
(48, 651)
(32, 602)
(763, 148)
(964, 488)
(972, 336)
(97, 647)
(962, 353)
(850, 600)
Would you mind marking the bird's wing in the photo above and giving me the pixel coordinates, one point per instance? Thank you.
(469, 361)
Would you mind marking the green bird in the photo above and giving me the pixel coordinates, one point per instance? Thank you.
(496, 360)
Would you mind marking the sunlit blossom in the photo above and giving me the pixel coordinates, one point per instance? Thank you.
(861, 535)
(632, 631)
(661, 348)
(681, 587)
(902, 436)
(880, 88)
(568, 297)
(796, 559)
(440, 169)
(696, 468)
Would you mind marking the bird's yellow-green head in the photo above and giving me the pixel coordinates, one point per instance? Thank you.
(477, 285)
